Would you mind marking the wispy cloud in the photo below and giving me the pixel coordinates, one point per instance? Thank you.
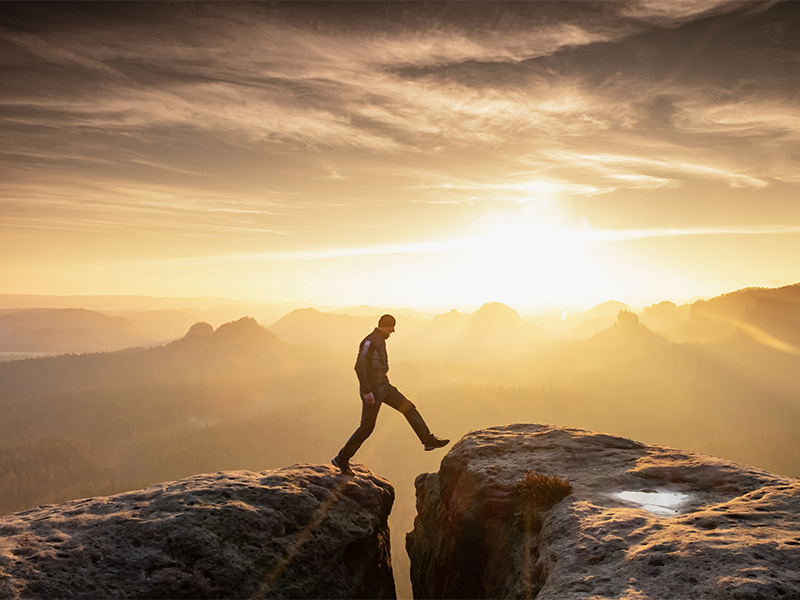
(756, 116)
(624, 235)
(132, 207)
(677, 11)
(468, 240)
(639, 169)
(639, 181)
(511, 191)
(321, 88)
(320, 123)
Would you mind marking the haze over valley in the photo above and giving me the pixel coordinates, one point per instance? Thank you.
(717, 376)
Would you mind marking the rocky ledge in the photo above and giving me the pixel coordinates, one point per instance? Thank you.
(641, 522)
(299, 532)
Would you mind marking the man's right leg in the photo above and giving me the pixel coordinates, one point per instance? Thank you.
(398, 401)
(369, 414)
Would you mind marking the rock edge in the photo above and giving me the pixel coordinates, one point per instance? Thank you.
(737, 535)
(302, 531)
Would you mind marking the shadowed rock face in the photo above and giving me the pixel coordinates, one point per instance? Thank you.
(298, 532)
(716, 530)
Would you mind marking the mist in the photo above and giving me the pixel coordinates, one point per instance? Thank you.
(716, 376)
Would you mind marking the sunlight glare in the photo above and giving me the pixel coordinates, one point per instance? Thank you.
(517, 255)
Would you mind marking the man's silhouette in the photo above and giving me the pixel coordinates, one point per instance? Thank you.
(372, 366)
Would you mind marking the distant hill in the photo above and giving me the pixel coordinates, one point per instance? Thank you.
(309, 326)
(160, 326)
(79, 330)
(109, 302)
(263, 313)
(242, 335)
(448, 322)
(582, 324)
(777, 318)
(625, 341)
(494, 332)
(148, 314)
(725, 315)
(66, 330)
(374, 312)
(665, 316)
(749, 362)
(494, 327)
(496, 315)
(341, 332)
(234, 350)
(606, 309)
(79, 425)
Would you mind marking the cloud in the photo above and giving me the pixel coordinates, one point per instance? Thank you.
(675, 11)
(514, 191)
(641, 182)
(267, 78)
(754, 116)
(278, 80)
(247, 118)
(625, 235)
(110, 206)
(638, 169)
(466, 243)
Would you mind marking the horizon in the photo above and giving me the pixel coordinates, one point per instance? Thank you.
(549, 156)
(292, 305)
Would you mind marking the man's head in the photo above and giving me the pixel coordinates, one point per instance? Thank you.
(386, 324)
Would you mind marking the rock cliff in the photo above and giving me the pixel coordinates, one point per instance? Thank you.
(298, 532)
(642, 522)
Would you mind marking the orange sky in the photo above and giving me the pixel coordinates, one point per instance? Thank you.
(416, 154)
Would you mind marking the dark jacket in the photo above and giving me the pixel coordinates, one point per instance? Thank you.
(372, 363)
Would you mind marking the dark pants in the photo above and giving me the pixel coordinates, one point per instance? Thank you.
(385, 394)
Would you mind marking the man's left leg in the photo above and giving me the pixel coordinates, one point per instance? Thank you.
(399, 402)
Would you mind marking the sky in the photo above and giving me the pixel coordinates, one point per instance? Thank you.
(421, 154)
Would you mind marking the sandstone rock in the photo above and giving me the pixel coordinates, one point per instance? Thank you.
(200, 329)
(300, 532)
(733, 533)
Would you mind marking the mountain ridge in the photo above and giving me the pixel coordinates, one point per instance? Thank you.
(233, 348)
(699, 321)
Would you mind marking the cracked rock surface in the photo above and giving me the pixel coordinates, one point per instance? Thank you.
(734, 533)
(304, 531)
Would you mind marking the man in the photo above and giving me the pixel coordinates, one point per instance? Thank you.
(372, 366)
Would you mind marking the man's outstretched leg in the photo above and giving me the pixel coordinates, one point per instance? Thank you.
(435, 442)
(369, 414)
(398, 401)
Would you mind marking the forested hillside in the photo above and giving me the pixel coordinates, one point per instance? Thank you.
(239, 397)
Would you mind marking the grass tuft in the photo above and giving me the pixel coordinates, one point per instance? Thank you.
(540, 492)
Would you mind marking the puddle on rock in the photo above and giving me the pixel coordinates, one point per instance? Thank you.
(661, 503)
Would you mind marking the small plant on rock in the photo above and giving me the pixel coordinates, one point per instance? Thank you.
(540, 492)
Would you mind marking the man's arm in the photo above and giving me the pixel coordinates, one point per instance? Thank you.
(362, 361)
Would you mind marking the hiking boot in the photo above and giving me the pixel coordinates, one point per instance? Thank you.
(343, 465)
(435, 442)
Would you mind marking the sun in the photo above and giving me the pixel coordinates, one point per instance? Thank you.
(514, 257)
(524, 250)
